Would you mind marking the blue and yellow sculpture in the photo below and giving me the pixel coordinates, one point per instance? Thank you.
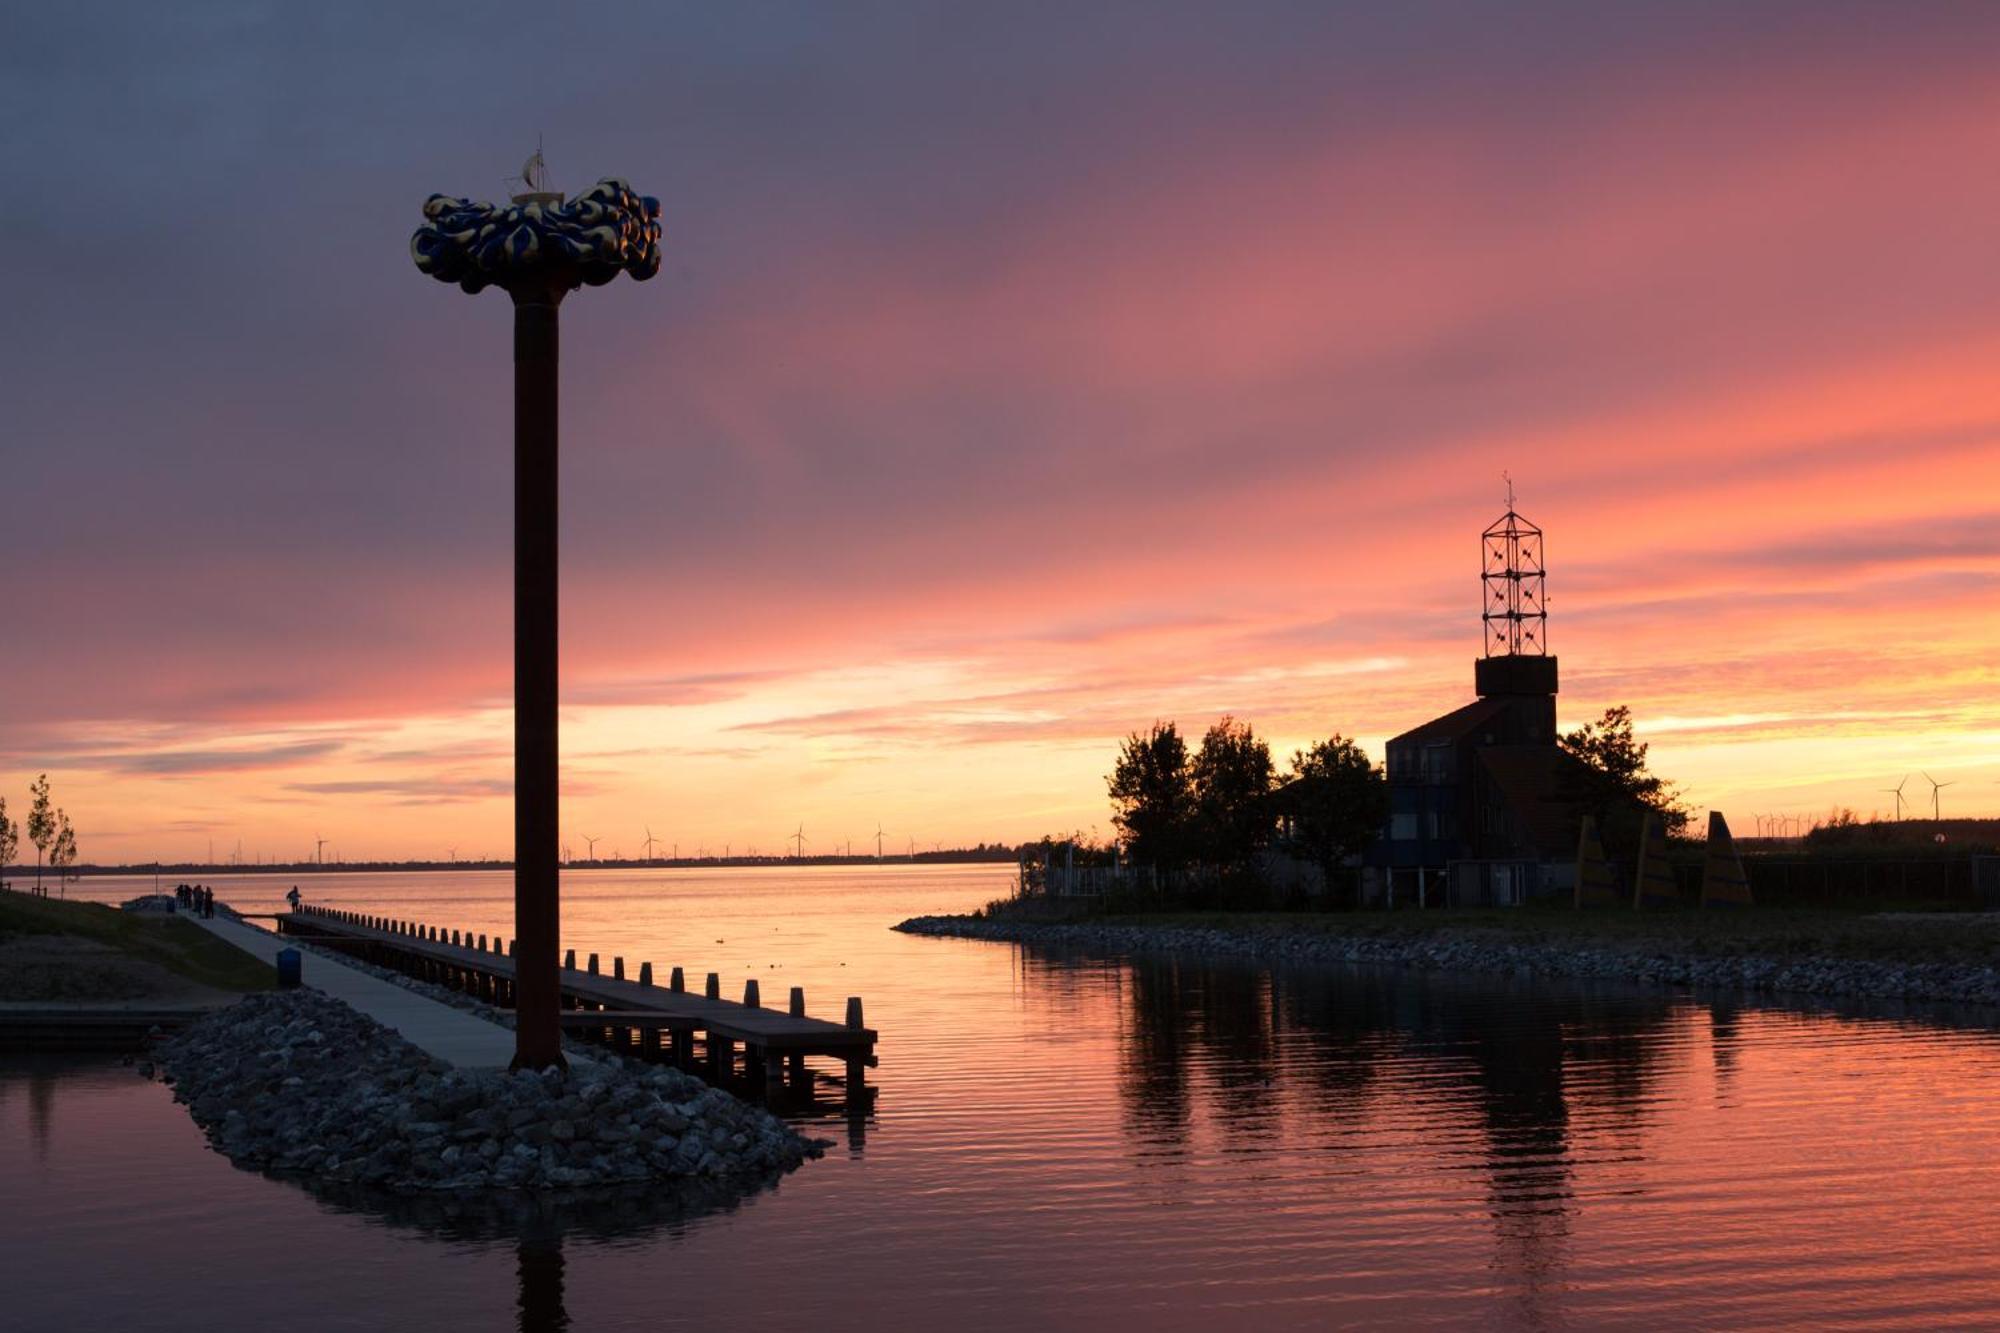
(1723, 883)
(605, 231)
(1596, 885)
(1656, 885)
(538, 249)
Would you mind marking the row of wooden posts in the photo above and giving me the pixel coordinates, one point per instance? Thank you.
(627, 1028)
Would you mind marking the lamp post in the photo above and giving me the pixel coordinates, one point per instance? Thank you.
(538, 249)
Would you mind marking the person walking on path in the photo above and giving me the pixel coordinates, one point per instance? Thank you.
(293, 898)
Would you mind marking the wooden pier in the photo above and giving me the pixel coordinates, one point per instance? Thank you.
(632, 1015)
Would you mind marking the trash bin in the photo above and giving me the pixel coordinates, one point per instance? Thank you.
(288, 969)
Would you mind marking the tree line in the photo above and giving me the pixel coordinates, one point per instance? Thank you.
(1217, 809)
(48, 828)
(1208, 815)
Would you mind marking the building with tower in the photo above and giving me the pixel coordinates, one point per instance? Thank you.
(1482, 801)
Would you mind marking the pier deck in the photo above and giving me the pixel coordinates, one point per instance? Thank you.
(629, 1012)
(452, 1035)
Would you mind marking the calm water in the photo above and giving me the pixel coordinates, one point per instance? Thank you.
(1086, 1142)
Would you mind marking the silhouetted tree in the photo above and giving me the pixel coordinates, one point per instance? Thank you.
(1152, 796)
(10, 839)
(62, 848)
(1614, 773)
(1231, 774)
(41, 823)
(1338, 800)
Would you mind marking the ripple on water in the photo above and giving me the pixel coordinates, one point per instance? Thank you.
(1073, 1142)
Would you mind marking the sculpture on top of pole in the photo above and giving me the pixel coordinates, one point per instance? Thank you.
(538, 249)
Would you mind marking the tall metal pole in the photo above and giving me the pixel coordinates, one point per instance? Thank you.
(539, 250)
(537, 776)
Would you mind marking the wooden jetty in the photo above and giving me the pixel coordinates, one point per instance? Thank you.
(631, 1015)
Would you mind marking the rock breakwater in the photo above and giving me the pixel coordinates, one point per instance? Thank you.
(1447, 950)
(296, 1082)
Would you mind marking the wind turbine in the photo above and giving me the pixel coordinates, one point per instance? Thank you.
(878, 840)
(1897, 792)
(319, 850)
(591, 855)
(650, 840)
(912, 853)
(452, 852)
(798, 841)
(1936, 787)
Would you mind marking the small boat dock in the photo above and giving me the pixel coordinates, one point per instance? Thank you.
(630, 1014)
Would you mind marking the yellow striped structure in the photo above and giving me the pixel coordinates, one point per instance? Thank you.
(1656, 886)
(1723, 883)
(1596, 886)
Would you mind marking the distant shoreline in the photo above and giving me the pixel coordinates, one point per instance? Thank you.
(18, 874)
(1801, 954)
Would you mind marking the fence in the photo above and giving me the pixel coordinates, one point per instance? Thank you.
(1825, 882)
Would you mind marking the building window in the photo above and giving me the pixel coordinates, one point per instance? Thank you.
(1437, 764)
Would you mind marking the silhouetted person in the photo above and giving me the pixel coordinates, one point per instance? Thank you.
(293, 898)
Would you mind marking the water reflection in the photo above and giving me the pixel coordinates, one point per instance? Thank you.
(1515, 1080)
(540, 1226)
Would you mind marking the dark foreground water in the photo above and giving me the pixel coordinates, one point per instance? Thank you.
(1077, 1142)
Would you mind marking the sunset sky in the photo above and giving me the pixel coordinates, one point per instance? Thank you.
(1019, 374)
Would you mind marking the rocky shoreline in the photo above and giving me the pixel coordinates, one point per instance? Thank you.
(297, 1083)
(1447, 950)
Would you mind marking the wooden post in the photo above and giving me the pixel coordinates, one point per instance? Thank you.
(750, 994)
(645, 974)
(537, 765)
(592, 969)
(617, 968)
(714, 986)
(798, 1002)
(676, 981)
(569, 960)
(854, 1012)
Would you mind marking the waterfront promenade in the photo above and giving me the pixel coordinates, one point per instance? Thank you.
(463, 1040)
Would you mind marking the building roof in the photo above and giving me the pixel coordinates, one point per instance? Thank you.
(1455, 724)
(1529, 779)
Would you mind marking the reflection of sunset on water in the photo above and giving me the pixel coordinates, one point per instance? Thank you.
(1091, 1141)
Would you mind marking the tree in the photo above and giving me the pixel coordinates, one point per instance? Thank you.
(1231, 777)
(62, 850)
(1152, 796)
(41, 824)
(10, 839)
(1338, 800)
(1615, 774)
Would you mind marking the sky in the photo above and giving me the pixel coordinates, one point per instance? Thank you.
(1017, 376)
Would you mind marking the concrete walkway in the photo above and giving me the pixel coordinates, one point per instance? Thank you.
(452, 1035)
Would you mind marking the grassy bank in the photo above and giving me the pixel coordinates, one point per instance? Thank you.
(175, 946)
(1777, 933)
